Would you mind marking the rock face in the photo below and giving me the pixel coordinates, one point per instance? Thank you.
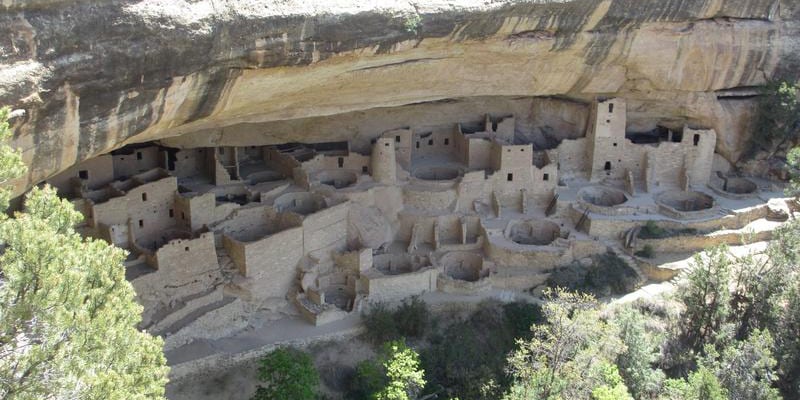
(95, 75)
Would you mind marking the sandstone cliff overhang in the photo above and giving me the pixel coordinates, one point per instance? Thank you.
(95, 75)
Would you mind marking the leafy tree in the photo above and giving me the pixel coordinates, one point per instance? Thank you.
(67, 315)
(640, 354)
(467, 359)
(405, 378)
(395, 374)
(563, 358)
(700, 385)
(287, 374)
(613, 388)
(777, 119)
(368, 380)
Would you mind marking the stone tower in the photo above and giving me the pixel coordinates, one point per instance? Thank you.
(606, 138)
(382, 163)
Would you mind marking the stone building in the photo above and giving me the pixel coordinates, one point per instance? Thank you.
(462, 209)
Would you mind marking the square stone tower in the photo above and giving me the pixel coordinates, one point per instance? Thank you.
(606, 138)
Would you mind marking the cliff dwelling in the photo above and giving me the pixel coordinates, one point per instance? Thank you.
(323, 230)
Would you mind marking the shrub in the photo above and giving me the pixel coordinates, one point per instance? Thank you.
(287, 374)
(380, 324)
(520, 316)
(652, 231)
(368, 380)
(412, 317)
(411, 22)
(466, 358)
(646, 252)
(608, 275)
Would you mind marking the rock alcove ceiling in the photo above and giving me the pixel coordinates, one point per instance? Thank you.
(93, 76)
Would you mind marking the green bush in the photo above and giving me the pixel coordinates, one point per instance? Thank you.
(412, 317)
(646, 251)
(410, 320)
(368, 380)
(520, 316)
(466, 358)
(379, 324)
(287, 374)
(652, 231)
(608, 275)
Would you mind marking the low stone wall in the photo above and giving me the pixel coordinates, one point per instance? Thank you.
(506, 253)
(691, 243)
(393, 288)
(421, 199)
(223, 361)
(190, 306)
(517, 280)
(614, 228)
(449, 285)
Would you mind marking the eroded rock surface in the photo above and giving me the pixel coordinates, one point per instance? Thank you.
(93, 76)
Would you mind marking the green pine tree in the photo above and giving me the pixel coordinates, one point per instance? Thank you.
(67, 315)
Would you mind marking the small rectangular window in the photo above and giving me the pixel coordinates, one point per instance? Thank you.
(611, 108)
(546, 177)
(510, 177)
(83, 174)
(138, 155)
(696, 139)
(171, 213)
(144, 196)
(417, 144)
(183, 215)
(141, 223)
(386, 144)
(397, 139)
(615, 145)
(341, 162)
(364, 169)
(430, 142)
(186, 249)
(446, 142)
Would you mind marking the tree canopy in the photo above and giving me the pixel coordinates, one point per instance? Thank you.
(67, 315)
(287, 374)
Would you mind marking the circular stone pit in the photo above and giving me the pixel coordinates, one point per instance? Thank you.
(440, 173)
(533, 232)
(602, 196)
(303, 203)
(739, 186)
(684, 202)
(463, 266)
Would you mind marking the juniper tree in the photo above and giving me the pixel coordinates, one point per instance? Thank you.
(67, 315)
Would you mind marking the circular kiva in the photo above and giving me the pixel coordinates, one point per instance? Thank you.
(686, 201)
(602, 196)
(534, 232)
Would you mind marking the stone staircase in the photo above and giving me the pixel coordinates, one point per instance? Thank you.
(630, 261)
